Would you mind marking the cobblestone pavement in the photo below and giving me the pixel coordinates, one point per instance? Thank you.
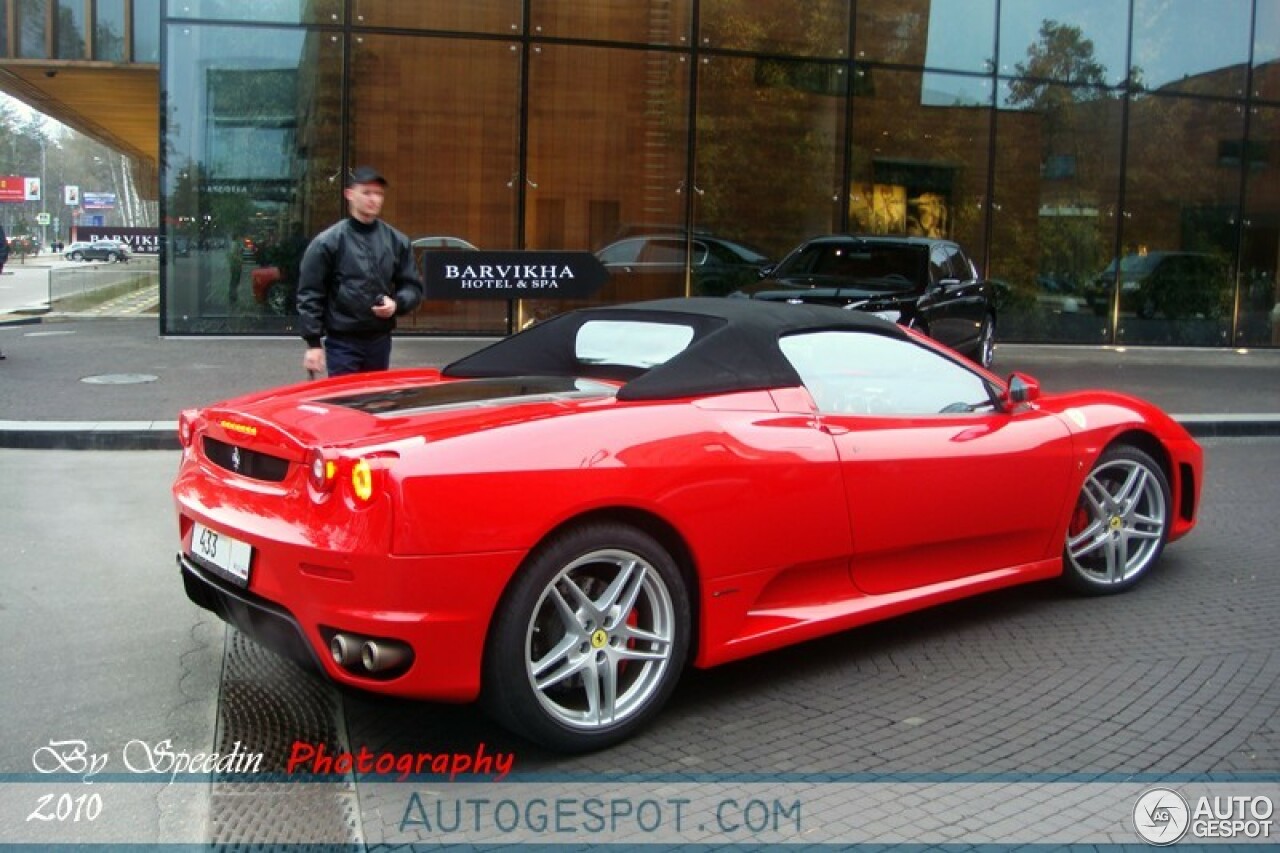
(1177, 680)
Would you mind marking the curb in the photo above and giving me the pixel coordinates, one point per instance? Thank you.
(163, 435)
(81, 435)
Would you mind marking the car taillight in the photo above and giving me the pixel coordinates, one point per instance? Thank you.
(366, 474)
(362, 480)
(321, 471)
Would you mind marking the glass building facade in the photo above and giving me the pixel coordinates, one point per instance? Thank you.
(1112, 164)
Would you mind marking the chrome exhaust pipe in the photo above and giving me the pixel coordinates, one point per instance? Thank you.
(345, 650)
(379, 656)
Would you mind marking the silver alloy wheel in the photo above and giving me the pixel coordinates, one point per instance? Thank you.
(600, 640)
(1118, 527)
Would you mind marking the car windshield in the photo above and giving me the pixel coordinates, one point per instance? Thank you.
(882, 265)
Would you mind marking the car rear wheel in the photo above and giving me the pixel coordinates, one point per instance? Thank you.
(112, 257)
(590, 639)
(1120, 523)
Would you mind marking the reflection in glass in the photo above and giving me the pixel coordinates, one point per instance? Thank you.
(891, 31)
(602, 167)
(252, 148)
(31, 25)
(109, 28)
(811, 28)
(1258, 294)
(1054, 225)
(1266, 51)
(146, 30)
(1200, 48)
(471, 16)
(769, 139)
(1065, 41)
(70, 29)
(450, 152)
(263, 11)
(920, 169)
(1180, 199)
(636, 21)
(962, 36)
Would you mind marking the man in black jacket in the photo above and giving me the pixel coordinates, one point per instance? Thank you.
(356, 277)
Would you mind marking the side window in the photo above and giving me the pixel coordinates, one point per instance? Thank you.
(961, 268)
(939, 266)
(624, 252)
(663, 251)
(864, 373)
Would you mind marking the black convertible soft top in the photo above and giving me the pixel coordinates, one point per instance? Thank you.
(734, 346)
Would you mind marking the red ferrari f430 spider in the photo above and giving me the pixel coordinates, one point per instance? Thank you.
(561, 523)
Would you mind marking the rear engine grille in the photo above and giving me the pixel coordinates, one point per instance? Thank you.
(247, 463)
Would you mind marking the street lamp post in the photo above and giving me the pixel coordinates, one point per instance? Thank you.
(44, 194)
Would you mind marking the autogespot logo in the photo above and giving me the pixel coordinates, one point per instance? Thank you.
(1161, 816)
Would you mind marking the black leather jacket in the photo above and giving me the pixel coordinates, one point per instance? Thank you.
(346, 269)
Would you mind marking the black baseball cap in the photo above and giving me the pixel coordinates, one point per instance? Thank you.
(366, 175)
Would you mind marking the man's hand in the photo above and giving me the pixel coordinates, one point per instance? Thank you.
(385, 309)
(313, 361)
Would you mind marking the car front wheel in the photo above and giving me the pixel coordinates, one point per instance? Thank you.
(77, 256)
(987, 341)
(590, 639)
(1120, 523)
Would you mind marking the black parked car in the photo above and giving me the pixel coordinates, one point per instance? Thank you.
(718, 266)
(1175, 285)
(923, 283)
(98, 250)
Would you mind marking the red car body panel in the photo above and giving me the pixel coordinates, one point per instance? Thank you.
(788, 523)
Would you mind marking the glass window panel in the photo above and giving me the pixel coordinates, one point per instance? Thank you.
(146, 30)
(1065, 41)
(956, 90)
(919, 168)
(962, 36)
(1054, 218)
(253, 158)
(601, 167)
(770, 142)
(263, 11)
(1179, 229)
(109, 27)
(32, 27)
(449, 152)
(1266, 51)
(1258, 307)
(473, 16)
(1193, 47)
(646, 22)
(812, 28)
(70, 29)
(4, 29)
(891, 31)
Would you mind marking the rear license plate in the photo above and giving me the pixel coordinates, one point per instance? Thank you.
(223, 551)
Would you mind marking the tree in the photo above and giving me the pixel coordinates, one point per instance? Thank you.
(1062, 55)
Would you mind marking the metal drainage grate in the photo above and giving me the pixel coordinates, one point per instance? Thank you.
(267, 703)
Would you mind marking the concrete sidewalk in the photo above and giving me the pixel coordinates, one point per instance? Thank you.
(114, 383)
